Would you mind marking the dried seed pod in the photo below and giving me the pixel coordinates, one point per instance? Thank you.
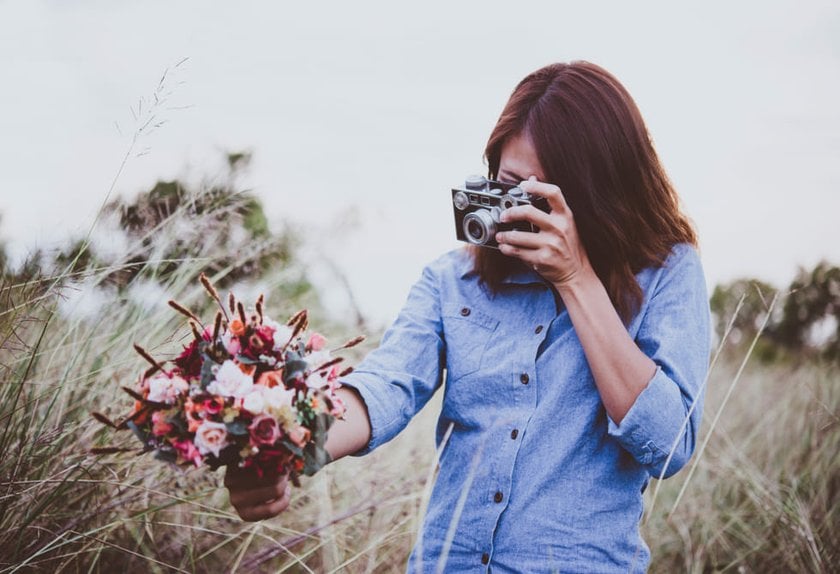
(212, 291)
(183, 310)
(143, 353)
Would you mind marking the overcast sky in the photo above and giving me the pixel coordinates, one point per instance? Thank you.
(369, 112)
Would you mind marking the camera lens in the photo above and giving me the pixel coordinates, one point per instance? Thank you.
(479, 227)
(475, 230)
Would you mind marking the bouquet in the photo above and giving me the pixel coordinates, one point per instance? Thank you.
(246, 391)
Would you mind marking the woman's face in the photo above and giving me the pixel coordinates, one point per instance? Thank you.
(519, 161)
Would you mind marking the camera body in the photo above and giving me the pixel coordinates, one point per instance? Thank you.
(478, 205)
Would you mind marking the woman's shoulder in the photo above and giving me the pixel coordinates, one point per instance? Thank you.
(681, 266)
(451, 265)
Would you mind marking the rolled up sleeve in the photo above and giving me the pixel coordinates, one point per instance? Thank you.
(399, 377)
(675, 333)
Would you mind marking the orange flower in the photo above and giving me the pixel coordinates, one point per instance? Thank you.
(300, 436)
(315, 402)
(237, 327)
(192, 411)
(270, 379)
(138, 406)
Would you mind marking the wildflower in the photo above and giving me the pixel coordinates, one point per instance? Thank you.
(230, 381)
(211, 437)
(164, 389)
(264, 430)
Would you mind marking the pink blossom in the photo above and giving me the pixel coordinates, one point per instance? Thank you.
(211, 437)
(160, 426)
(316, 342)
(164, 389)
(187, 451)
(264, 430)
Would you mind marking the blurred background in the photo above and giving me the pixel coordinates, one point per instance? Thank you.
(360, 117)
(306, 151)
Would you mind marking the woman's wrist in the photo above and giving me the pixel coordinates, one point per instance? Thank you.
(353, 433)
(582, 281)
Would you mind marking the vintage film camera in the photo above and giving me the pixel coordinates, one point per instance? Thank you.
(478, 205)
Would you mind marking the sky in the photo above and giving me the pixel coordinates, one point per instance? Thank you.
(361, 116)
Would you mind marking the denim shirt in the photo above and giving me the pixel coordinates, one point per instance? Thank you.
(534, 476)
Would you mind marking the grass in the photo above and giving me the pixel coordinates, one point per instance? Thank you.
(761, 497)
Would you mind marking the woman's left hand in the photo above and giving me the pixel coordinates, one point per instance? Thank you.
(555, 252)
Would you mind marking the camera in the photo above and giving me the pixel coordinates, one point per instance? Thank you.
(479, 204)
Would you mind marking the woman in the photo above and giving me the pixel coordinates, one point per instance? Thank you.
(575, 357)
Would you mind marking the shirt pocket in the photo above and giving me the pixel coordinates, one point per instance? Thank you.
(467, 332)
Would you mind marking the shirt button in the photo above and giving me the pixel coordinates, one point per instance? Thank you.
(465, 311)
(523, 378)
(514, 433)
(485, 558)
(538, 330)
(498, 497)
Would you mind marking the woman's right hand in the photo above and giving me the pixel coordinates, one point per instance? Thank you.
(254, 498)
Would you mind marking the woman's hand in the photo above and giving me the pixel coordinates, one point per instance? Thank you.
(555, 252)
(257, 499)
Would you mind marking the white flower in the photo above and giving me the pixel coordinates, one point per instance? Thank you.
(210, 437)
(317, 380)
(230, 381)
(282, 333)
(163, 389)
(277, 397)
(254, 401)
(318, 358)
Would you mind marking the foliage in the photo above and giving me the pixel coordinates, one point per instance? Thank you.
(806, 326)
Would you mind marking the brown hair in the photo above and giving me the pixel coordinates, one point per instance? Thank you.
(591, 141)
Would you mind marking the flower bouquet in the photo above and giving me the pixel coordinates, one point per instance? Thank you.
(246, 391)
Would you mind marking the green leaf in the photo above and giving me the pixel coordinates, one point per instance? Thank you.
(293, 448)
(314, 459)
(237, 428)
(294, 366)
(206, 370)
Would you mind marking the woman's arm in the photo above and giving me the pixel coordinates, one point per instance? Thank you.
(352, 434)
(651, 387)
(620, 369)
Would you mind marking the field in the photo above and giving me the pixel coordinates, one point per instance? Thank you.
(760, 495)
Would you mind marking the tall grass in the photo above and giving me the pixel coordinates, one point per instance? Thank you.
(763, 498)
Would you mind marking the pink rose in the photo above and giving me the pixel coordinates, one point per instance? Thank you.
(264, 430)
(211, 437)
(160, 426)
(316, 342)
(186, 449)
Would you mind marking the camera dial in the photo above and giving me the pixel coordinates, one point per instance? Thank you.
(461, 200)
(476, 182)
(507, 201)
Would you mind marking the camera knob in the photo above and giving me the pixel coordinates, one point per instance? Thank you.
(475, 182)
(516, 191)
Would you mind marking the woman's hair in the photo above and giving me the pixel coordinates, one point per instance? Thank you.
(591, 142)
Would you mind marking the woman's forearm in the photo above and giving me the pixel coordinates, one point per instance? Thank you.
(353, 433)
(620, 369)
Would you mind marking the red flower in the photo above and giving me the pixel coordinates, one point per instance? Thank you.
(189, 361)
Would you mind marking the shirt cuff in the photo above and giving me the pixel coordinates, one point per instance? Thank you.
(647, 431)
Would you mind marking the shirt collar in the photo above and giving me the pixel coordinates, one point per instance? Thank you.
(521, 275)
